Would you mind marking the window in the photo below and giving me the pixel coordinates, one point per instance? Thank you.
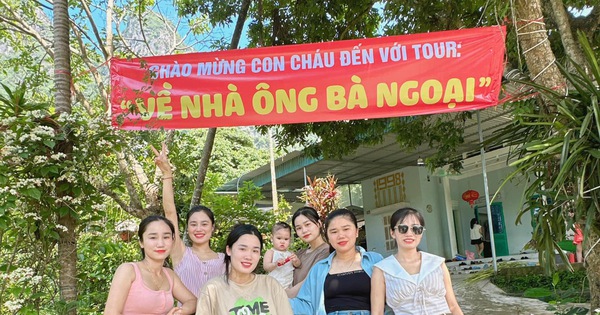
(390, 243)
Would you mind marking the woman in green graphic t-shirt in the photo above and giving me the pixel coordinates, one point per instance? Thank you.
(240, 290)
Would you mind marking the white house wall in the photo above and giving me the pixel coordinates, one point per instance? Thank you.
(511, 198)
(419, 193)
(422, 190)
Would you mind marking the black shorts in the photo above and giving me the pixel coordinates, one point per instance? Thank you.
(477, 241)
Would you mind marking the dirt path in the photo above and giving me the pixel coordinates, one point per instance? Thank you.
(485, 298)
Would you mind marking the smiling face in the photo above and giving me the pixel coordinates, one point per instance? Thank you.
(245, 254)
(200, 228)
(409, 240)
(306, 229)
(281, 239)
(157, 240)
(342, 233)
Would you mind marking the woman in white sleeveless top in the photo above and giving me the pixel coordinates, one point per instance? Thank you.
(412, 281)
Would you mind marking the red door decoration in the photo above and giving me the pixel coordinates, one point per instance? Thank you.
(470, 196)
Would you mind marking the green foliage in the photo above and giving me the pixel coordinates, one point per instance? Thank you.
(565, 284)
(39, 183)
(561, 288)
(556, 141)
(230, 210)
(99, 255)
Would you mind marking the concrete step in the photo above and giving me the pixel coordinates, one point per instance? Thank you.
(475, 265)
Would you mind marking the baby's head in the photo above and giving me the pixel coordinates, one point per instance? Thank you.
(281, 236)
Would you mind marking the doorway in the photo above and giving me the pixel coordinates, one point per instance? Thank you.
(458, 232)
(498, 224)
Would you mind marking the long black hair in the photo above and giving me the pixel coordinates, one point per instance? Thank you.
(400, 214)
(342, 212)
(473, 222)
(144, 225)
(235, 234)
(204, 209)
(311, 214)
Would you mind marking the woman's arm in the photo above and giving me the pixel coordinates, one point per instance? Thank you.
(268, 264)
(183, 295)
(306, 301)
(119, 289)
(168, 199)
(377, 292)
(293, 291)
(450, 297)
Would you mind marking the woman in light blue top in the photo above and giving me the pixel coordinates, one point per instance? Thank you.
(412, 282)
(340, 284)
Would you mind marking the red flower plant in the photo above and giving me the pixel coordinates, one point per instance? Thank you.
(321, 194)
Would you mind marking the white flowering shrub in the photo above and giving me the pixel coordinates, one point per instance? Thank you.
(40, 181)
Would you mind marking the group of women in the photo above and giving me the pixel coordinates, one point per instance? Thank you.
(334, 275)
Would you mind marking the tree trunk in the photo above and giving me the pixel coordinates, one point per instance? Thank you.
(592, 261)
(210, 136)
(200, 179)
(535, 46)
(566, 35)
(67, 245)
(540, 61)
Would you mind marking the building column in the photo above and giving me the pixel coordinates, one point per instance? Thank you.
(449, 215)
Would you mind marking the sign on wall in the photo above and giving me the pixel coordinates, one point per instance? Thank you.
(343, 80)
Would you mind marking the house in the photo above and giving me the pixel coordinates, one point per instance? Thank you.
(377, 180)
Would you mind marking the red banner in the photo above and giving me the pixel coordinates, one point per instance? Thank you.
(343, 80)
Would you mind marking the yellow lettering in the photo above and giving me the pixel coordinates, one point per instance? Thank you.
(304, 103)
(283, 99)
(387, 94)
(208, 106)
(431, 92)
(190, 107)
(406, 97)
(335, 97)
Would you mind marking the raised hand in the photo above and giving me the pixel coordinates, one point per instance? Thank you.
(162, 160)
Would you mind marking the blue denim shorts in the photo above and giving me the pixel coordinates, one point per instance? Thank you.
(352, 312)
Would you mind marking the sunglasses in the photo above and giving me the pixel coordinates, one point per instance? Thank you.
(416, 229)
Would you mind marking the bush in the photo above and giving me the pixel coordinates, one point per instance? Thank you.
(565, 285)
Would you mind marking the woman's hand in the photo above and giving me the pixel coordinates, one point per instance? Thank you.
(162, 160)
(175, 311)
(295, 261)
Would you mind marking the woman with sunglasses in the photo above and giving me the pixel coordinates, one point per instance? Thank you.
(340, 284)
(412, 281)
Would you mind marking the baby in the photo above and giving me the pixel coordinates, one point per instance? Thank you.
(277, 260)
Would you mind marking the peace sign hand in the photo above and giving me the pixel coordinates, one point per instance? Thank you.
(162, 160)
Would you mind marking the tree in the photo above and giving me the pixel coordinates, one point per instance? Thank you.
(67, 241)
(52, 179)
(529, 38)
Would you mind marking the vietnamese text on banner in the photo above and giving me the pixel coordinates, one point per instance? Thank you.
(343, 80)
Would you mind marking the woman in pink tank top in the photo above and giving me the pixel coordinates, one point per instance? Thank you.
(196, 264)
(146, 287)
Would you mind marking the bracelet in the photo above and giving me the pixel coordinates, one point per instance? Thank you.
(167, 177)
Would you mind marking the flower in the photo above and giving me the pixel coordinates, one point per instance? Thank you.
(321, 194)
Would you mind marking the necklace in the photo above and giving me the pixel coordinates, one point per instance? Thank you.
(204, 255)
(352, 261)
(157, 283)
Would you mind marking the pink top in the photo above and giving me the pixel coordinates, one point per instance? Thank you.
(194, 273)
(143, 300)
